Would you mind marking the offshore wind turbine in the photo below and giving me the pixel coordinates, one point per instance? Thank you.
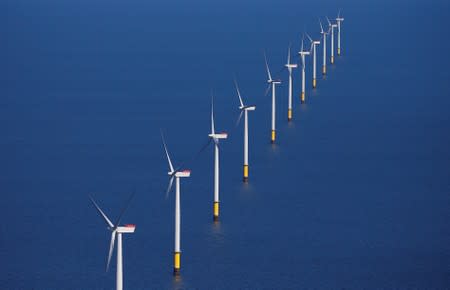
(272, 83)
(116, 230)
(290, 67)
(314, 43)
(339, 19)
(244, 110)
(302, 54)
(175, 174)
(215, 137)
(324, 37)
(332, 27)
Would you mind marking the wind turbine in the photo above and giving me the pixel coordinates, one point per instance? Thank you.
(290, 67)
(339, 19)
(302, 54)
(314, 43)
(175, 174)
(118, 230)
(272, 83)
(324, 37)
(332, 27)
(216, 137)
(244, 110)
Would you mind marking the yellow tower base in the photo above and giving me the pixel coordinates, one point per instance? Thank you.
(314, 83)
(332, 59)
(272, 138)
(245, 173)
(303, 97)
(216, 211)
(324, 70)
(339, 51)
(289, 114)
(176, 263)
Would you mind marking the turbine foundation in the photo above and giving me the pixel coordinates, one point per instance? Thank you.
(302, 98)
(216, 211)
(339, 51)
(289, 114)
(272, 138)
(332, 59)
(176, 263)
(324, 70)
(245, 173)
(314, 83)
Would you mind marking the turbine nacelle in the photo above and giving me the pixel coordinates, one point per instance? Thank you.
(316, 42)
(183, 173)
(304, 53)
(126, 229)
(291, 65)
(339, 19)
(247, 108)
(222, 135)
(274, 82)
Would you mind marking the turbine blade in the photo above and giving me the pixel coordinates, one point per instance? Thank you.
(267, 67)
(105, 218)
(302, 42)
(267, 90)
(169, 187)
(212, 115)
(339, 13)
(289, 54)
(239, 93)
(208, 141)
(321, 27)
(167, 152)
(238, 120)
(203, 148)
(329, 23)
(127, 205)
(111, 249)
(309, 37)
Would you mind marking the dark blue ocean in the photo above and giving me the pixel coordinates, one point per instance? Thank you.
(354, 194)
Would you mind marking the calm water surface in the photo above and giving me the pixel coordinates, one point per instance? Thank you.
(355, 194)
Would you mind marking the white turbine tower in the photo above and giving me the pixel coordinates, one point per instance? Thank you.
(302, 54)
(324, 37)
(339, 19)
(175, 174)
(244, 110)
(332, 27)
(118, 230)
(272, 83)
(290, 67)
(314, 43)
(216, 137)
